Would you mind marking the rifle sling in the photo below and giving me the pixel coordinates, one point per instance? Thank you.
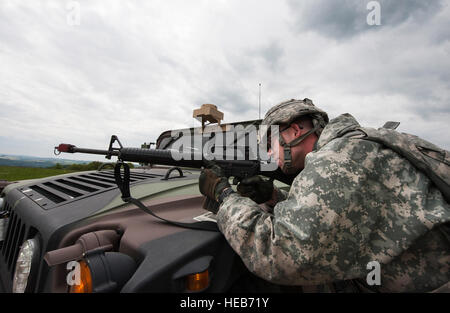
(124, 186)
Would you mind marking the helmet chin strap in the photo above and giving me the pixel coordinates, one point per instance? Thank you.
(287, 165)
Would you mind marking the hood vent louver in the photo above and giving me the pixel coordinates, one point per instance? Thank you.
(55, 192)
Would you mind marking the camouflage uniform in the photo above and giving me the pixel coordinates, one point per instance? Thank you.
(353, 203)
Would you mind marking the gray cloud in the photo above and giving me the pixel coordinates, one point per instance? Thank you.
(344, 19)
(269, 55)
(230, 97)
(272, 54)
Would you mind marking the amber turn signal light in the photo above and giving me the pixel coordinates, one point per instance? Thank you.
(198, 281)
(85, 285)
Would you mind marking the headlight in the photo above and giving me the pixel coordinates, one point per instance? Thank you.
(27, 253)
(104, 272)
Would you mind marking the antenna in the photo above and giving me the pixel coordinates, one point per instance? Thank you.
(259, 101)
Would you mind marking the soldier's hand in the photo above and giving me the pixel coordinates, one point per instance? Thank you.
(256, 188)
(212, 181)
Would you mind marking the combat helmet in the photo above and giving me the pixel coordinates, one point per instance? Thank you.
(287, 112)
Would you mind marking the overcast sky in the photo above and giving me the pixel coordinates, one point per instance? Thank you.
(79, 71)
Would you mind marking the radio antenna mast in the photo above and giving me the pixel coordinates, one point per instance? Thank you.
(259, 106)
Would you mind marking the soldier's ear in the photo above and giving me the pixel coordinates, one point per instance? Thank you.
(298, 129)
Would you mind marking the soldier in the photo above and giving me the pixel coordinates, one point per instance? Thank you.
(352, 202)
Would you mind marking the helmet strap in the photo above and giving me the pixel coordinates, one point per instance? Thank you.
(287, 165)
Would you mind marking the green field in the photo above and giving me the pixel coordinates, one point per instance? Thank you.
(14, 173)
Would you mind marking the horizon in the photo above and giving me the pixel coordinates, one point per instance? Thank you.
(44, 158)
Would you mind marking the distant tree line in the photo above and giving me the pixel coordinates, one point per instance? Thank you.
(83, 167)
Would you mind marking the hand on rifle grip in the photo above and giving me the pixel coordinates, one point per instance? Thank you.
(256, 188)
(212, 181)
(210, 205)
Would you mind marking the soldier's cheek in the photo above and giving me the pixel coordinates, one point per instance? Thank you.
(280, 163)
(280, 160)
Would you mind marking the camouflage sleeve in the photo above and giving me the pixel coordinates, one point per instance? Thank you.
(344, 210)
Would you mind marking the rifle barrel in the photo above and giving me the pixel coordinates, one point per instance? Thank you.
(94, 151)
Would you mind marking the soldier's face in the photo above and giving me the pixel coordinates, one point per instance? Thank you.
(276, 150)
(298, 152)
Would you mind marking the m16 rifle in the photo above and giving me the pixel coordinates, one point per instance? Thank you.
(238, 169)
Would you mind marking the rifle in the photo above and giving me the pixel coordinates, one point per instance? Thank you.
(238, 169)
